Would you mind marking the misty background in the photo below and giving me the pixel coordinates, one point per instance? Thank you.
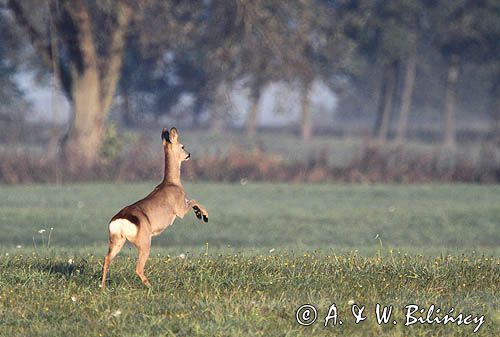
(358, 91)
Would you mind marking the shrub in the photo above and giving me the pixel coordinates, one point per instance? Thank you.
(373, 164)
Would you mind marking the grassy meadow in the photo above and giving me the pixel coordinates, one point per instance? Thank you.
(268, 249)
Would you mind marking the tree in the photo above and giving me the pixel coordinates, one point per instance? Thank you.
(259, 52)
(161, 61)
(304, 44)
(149, 84)
(218, 56)
(411, 23)
(386, 101)
(84, 51)
(494, 105)
(450, 100)
(299, 60)
(462, 30)
(485, 52)
(237, 40)
(407, 93)
(12, 53)
(185, 47)
(387, 33)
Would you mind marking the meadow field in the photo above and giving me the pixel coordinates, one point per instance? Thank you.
(267, 250)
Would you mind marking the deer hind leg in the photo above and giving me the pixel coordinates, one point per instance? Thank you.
(144, 247)
(116, 243)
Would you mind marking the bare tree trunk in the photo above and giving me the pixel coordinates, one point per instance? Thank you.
(81, 148)
(495, 110)
(128, 113)
(88, 79)
(199, 104)
(383, 120)
(110, 76)
(53, 145)
(217, 122)
(251, 122)
(406, 99)
(496, 124)
(93, 87)
(306, 122)
(54, 142)
(449, 102)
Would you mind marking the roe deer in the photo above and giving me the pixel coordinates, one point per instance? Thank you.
(148, 217)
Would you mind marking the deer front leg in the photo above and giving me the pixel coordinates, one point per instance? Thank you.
(199, 210)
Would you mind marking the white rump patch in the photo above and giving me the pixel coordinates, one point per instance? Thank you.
(123, 227)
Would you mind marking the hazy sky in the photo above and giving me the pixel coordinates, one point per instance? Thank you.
(279, 105)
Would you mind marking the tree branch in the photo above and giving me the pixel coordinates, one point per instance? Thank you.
(79, 14)
(59, 68)
(111, 73)
(37, 40)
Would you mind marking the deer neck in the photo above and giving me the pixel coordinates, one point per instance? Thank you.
(172, 171)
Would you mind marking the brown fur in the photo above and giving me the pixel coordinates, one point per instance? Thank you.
(155, 212)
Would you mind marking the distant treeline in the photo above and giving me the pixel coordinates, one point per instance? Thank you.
(388, 60)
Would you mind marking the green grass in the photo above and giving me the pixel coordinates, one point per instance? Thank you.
(234, 295)
(264, 216)
(267, 249)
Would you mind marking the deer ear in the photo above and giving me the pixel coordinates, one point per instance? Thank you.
(173, 135)
(164, 136)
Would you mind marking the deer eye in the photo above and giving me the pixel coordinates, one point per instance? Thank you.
(182, 147)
